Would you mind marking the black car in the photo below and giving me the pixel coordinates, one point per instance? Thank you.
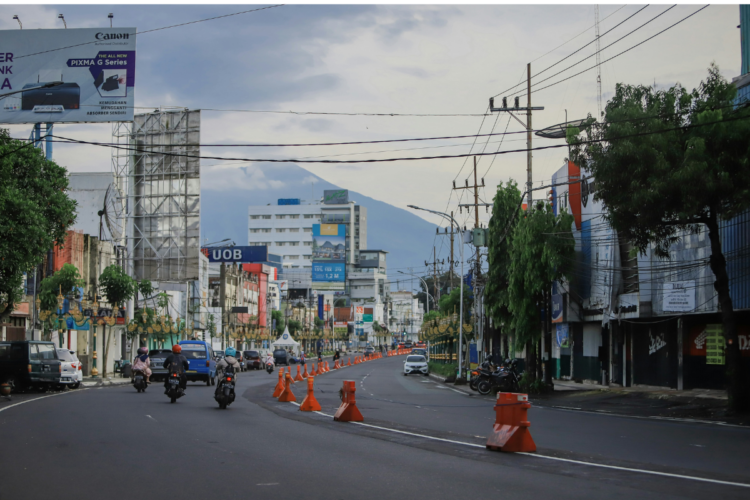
(280, 357)
(29, 363)
(158, 356)
(252, 360)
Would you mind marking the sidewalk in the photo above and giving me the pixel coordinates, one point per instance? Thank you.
(106, 382)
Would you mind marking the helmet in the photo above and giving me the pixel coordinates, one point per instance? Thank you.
(142, 350)
(176, 349)
(230, 351)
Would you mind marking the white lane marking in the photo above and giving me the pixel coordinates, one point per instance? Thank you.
(152, 418)
(441, 386)
(267, 484)
(568, 460)
(37, 399)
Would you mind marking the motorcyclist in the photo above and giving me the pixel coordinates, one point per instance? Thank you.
(229, 359)
(142, 363)
(336, 356)
(302, 358)
(269, 360)
(179, 363)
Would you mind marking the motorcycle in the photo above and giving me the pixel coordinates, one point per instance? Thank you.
(269, 367)
(505, 379)
(139, 381)
(174, 391)
(482, 372)
(224, 394)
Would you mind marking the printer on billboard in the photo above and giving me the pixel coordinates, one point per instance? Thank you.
(52, 99)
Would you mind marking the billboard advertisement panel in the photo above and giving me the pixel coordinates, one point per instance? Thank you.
(68, 75)
(336, 196)
(245, 255)
(329, 256)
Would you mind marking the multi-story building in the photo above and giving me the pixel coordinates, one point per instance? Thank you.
(406, 315)
(286, 228)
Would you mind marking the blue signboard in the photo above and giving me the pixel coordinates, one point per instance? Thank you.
(329, 255)
(562, 335)
(557, 308)
(244, 255)
(329, 271)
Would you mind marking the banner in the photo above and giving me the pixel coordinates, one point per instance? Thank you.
(67, 75)
(245, 255)
(679, 296)
(329, 256)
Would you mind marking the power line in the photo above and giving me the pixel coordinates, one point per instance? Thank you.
(621, 53)
(384, 160)
(156, 29)
(581, 48)
(601, 50)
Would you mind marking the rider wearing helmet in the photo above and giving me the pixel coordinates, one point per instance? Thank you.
(176, 362)
(228, 360)
(142, 363)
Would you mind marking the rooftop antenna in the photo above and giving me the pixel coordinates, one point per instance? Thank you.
(110, 16)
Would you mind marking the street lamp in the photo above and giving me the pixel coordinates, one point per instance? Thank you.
(110, 16)
(19, 21)
(461, 299)
(60, 16)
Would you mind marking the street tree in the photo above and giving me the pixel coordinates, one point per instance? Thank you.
(541, 252)
(668, 162)
(36, 213)
(279, 317)
(505, 215)
(62, 282)
(118, 288)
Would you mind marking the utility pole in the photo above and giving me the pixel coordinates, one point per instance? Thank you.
(434, 264)
(526, 125)
(451, 262)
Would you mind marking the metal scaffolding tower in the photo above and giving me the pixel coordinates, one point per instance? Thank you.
(157, 170)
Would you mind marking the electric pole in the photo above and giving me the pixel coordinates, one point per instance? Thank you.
(434, 264)
(526, 125)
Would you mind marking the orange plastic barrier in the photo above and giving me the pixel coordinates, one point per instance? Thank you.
(298, 377)
(320, 368)
(348, 411)
(304, 373)
(511, 429)
(289, 371)
(288, 396)
(327, 369)
(280, 386)
(310, 403)
(349, 362)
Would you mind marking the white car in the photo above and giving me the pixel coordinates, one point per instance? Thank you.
(71, 373)
(416, 364)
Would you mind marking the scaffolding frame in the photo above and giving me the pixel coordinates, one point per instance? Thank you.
(156, 162)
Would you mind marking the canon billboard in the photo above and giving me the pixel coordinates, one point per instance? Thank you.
(67, 75)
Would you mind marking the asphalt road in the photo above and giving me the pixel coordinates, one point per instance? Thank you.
(113, 442)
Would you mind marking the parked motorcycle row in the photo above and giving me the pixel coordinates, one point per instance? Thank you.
(488, 378)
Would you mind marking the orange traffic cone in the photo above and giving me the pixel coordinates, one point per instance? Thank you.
(348, 411)
(310, 403)
(289, 372)
(280, 386)
(298, 377)
(304, 373)
(326, 368)
(288, 396)
(349, 362)
(320, 368)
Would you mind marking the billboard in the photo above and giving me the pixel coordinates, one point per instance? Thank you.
(329, 256)
(68, 75)
(336, 196)
(248, 255)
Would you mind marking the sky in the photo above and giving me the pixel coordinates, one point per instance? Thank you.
(391, 59)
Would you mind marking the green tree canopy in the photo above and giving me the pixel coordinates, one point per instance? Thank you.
(666, 161)
(36, 213)
(116, 285)
(449, 303)
(541, 252)
(505, 216)
(63, 281)
(280, 323)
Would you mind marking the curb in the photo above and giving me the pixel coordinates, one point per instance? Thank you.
(105, 382)
(463, 388)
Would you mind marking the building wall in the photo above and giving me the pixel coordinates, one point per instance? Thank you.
(286, 230)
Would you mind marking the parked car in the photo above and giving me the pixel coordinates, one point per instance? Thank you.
(408, 344)
(369, 351)
(158, 356)
(200, 356)
(71, 368)
(28, 363)
(252, 360)
(416, 364)
(280, 357)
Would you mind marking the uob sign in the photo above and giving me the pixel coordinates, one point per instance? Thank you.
(245, 255)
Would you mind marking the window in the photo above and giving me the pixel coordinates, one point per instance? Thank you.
(268, 230)
(309, 216)
(254, 216)
(291, 257)
(265, 217)
(307, 256)
(307, 230)
(281, 216)
(294, 243)
(278, 230)
(294, 230)
(308, 243)
(294, 216)
(255, 230)
(280, 243)
(46, 351)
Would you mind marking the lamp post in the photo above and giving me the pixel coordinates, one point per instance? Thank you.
(461, 300)
(425, 291)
